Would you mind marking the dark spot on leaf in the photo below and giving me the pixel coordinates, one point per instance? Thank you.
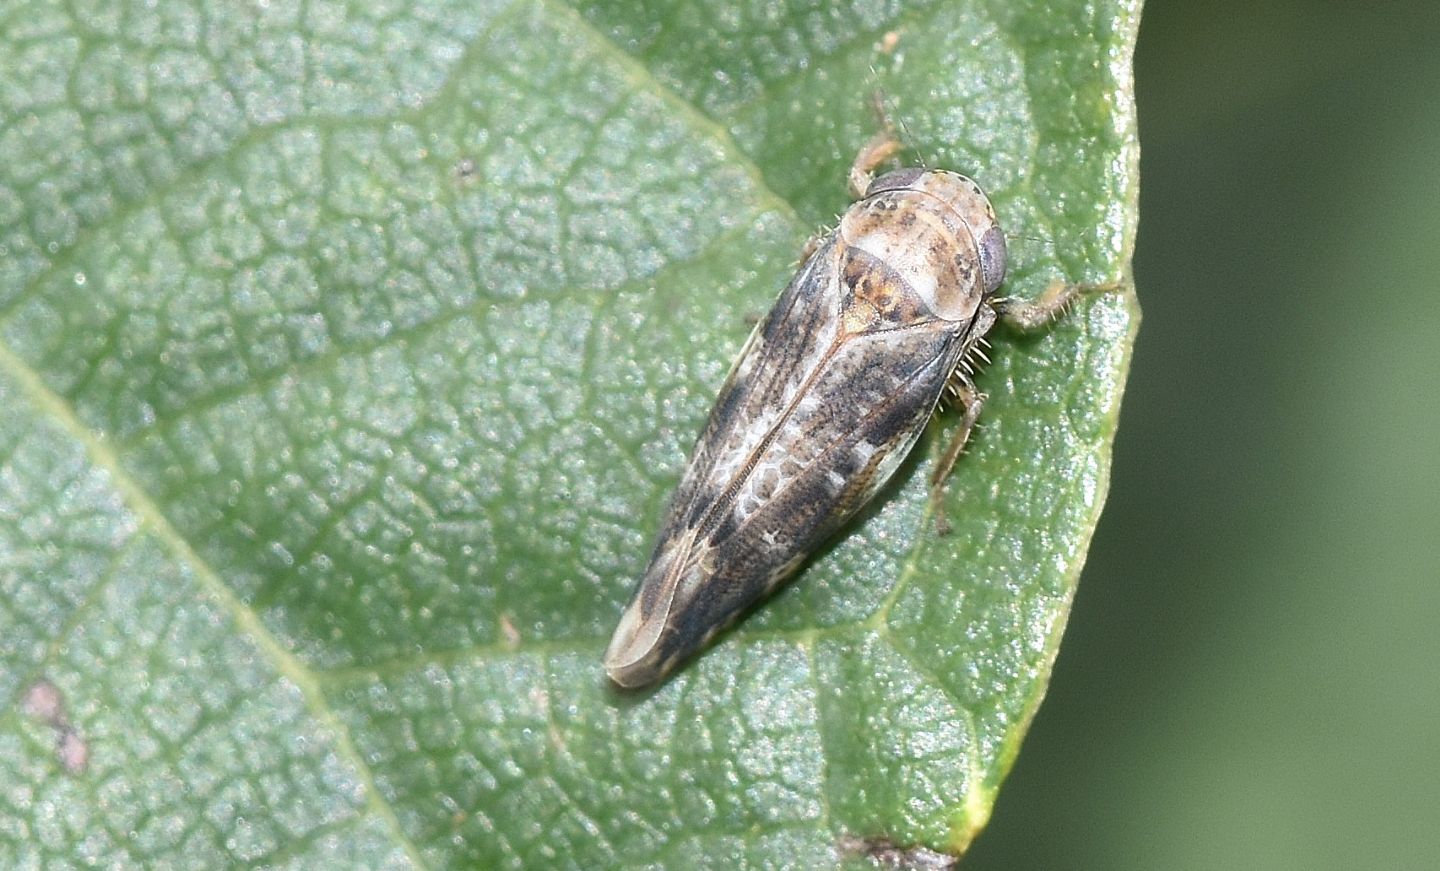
(467, 170)
(42, 701)
(884, 853)
(71, 750)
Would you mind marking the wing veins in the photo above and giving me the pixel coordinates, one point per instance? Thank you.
(710, 521)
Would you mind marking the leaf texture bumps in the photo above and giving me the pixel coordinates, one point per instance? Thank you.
(348, 353)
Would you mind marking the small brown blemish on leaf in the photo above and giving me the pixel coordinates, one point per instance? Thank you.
(44, 702)
(72, 750)
(509, 633)
(885, 853)
(557, 740)
(888, 42)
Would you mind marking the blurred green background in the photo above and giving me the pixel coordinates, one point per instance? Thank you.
(1251, 674)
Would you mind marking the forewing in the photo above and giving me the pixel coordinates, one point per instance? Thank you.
(779, 358)
(811, 421)
(866, 405)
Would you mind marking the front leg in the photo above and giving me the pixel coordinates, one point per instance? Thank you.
(1027, 316)
(881, 147)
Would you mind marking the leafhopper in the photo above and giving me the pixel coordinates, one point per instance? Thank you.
(886, 315)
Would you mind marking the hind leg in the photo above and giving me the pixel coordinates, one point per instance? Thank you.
(971, 402)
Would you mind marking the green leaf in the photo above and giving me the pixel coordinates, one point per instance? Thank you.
(349, 352)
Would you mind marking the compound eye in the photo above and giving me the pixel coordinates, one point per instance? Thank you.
(992, 258)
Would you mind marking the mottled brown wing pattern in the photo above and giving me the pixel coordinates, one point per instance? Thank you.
(828, 396)
(793, 500)
(798, 328)
(778, 469)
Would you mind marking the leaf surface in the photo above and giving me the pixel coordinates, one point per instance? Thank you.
(349, 353)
